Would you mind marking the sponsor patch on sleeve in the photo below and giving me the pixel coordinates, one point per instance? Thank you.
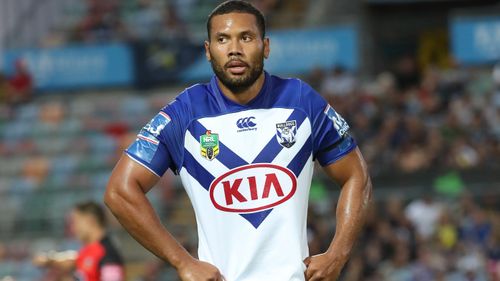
(146, 143)
(156, 125)
(338, 122)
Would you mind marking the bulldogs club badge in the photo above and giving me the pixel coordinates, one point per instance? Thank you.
(209, 145)
(285, 133)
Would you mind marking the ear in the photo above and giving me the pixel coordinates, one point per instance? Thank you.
(267, 47)
(207, 50)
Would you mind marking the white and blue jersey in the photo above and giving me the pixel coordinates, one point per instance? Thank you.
(247, 170)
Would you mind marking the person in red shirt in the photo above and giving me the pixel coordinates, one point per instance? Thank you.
(20, 84)
(98, 259)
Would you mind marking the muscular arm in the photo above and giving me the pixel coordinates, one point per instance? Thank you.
(125, 197)
(351, 173)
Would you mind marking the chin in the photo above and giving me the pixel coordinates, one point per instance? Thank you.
(241, 76)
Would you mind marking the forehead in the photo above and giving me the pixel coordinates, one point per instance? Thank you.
(76, 214)
(234, 22)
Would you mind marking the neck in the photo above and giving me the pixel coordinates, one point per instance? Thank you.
(96, 235)
(245, 95)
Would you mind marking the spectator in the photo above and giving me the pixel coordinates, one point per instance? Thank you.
(338, 83)
(403, 229)
(406, 73)
(426, 266)
(20, 84)
(398, 268)
(424, 214)
(470, 266)
(476, 228)
(446, 232)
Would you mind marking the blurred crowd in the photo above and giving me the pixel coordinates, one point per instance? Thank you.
(132, 20)
(408, 120)
(112, 20)
(425, 239)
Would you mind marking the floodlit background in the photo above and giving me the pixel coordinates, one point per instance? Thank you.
(416, 80)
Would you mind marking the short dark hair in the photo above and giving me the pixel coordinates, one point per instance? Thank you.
(238, 6)
(93, 209)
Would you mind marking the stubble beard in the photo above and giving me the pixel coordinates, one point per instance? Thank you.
(240, 83)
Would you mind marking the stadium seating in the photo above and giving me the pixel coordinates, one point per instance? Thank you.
(58, 153)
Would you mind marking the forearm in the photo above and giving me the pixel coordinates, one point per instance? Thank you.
(134, 211)
(62, 260)
(66, 264)
(351, 212)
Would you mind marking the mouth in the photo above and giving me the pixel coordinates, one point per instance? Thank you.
(236, 67)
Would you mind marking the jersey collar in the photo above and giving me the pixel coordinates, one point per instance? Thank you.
(228, 105)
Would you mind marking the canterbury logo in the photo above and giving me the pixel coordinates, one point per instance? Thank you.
(246, 124)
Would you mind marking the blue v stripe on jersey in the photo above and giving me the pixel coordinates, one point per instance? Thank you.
(197, 171)
(300, 159)
(256, 218)
(273, 148)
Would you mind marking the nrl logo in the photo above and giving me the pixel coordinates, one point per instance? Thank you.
(209, 143)
(285, 133)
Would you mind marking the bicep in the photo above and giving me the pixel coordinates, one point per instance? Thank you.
(129, 172)
(350, 166)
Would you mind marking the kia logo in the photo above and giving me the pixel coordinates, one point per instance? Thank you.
(246, 122)
(253, 188)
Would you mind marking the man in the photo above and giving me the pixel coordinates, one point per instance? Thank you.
(98, 260)
(244, 146)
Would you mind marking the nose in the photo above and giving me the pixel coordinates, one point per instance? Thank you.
(235, 49)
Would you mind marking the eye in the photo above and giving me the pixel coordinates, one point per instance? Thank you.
(221, 39)
(246, 38)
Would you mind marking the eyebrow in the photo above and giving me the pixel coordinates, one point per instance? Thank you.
(224, 34)
(218, 34)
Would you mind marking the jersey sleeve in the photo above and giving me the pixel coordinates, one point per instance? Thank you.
(331, 138)
(158, 144)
